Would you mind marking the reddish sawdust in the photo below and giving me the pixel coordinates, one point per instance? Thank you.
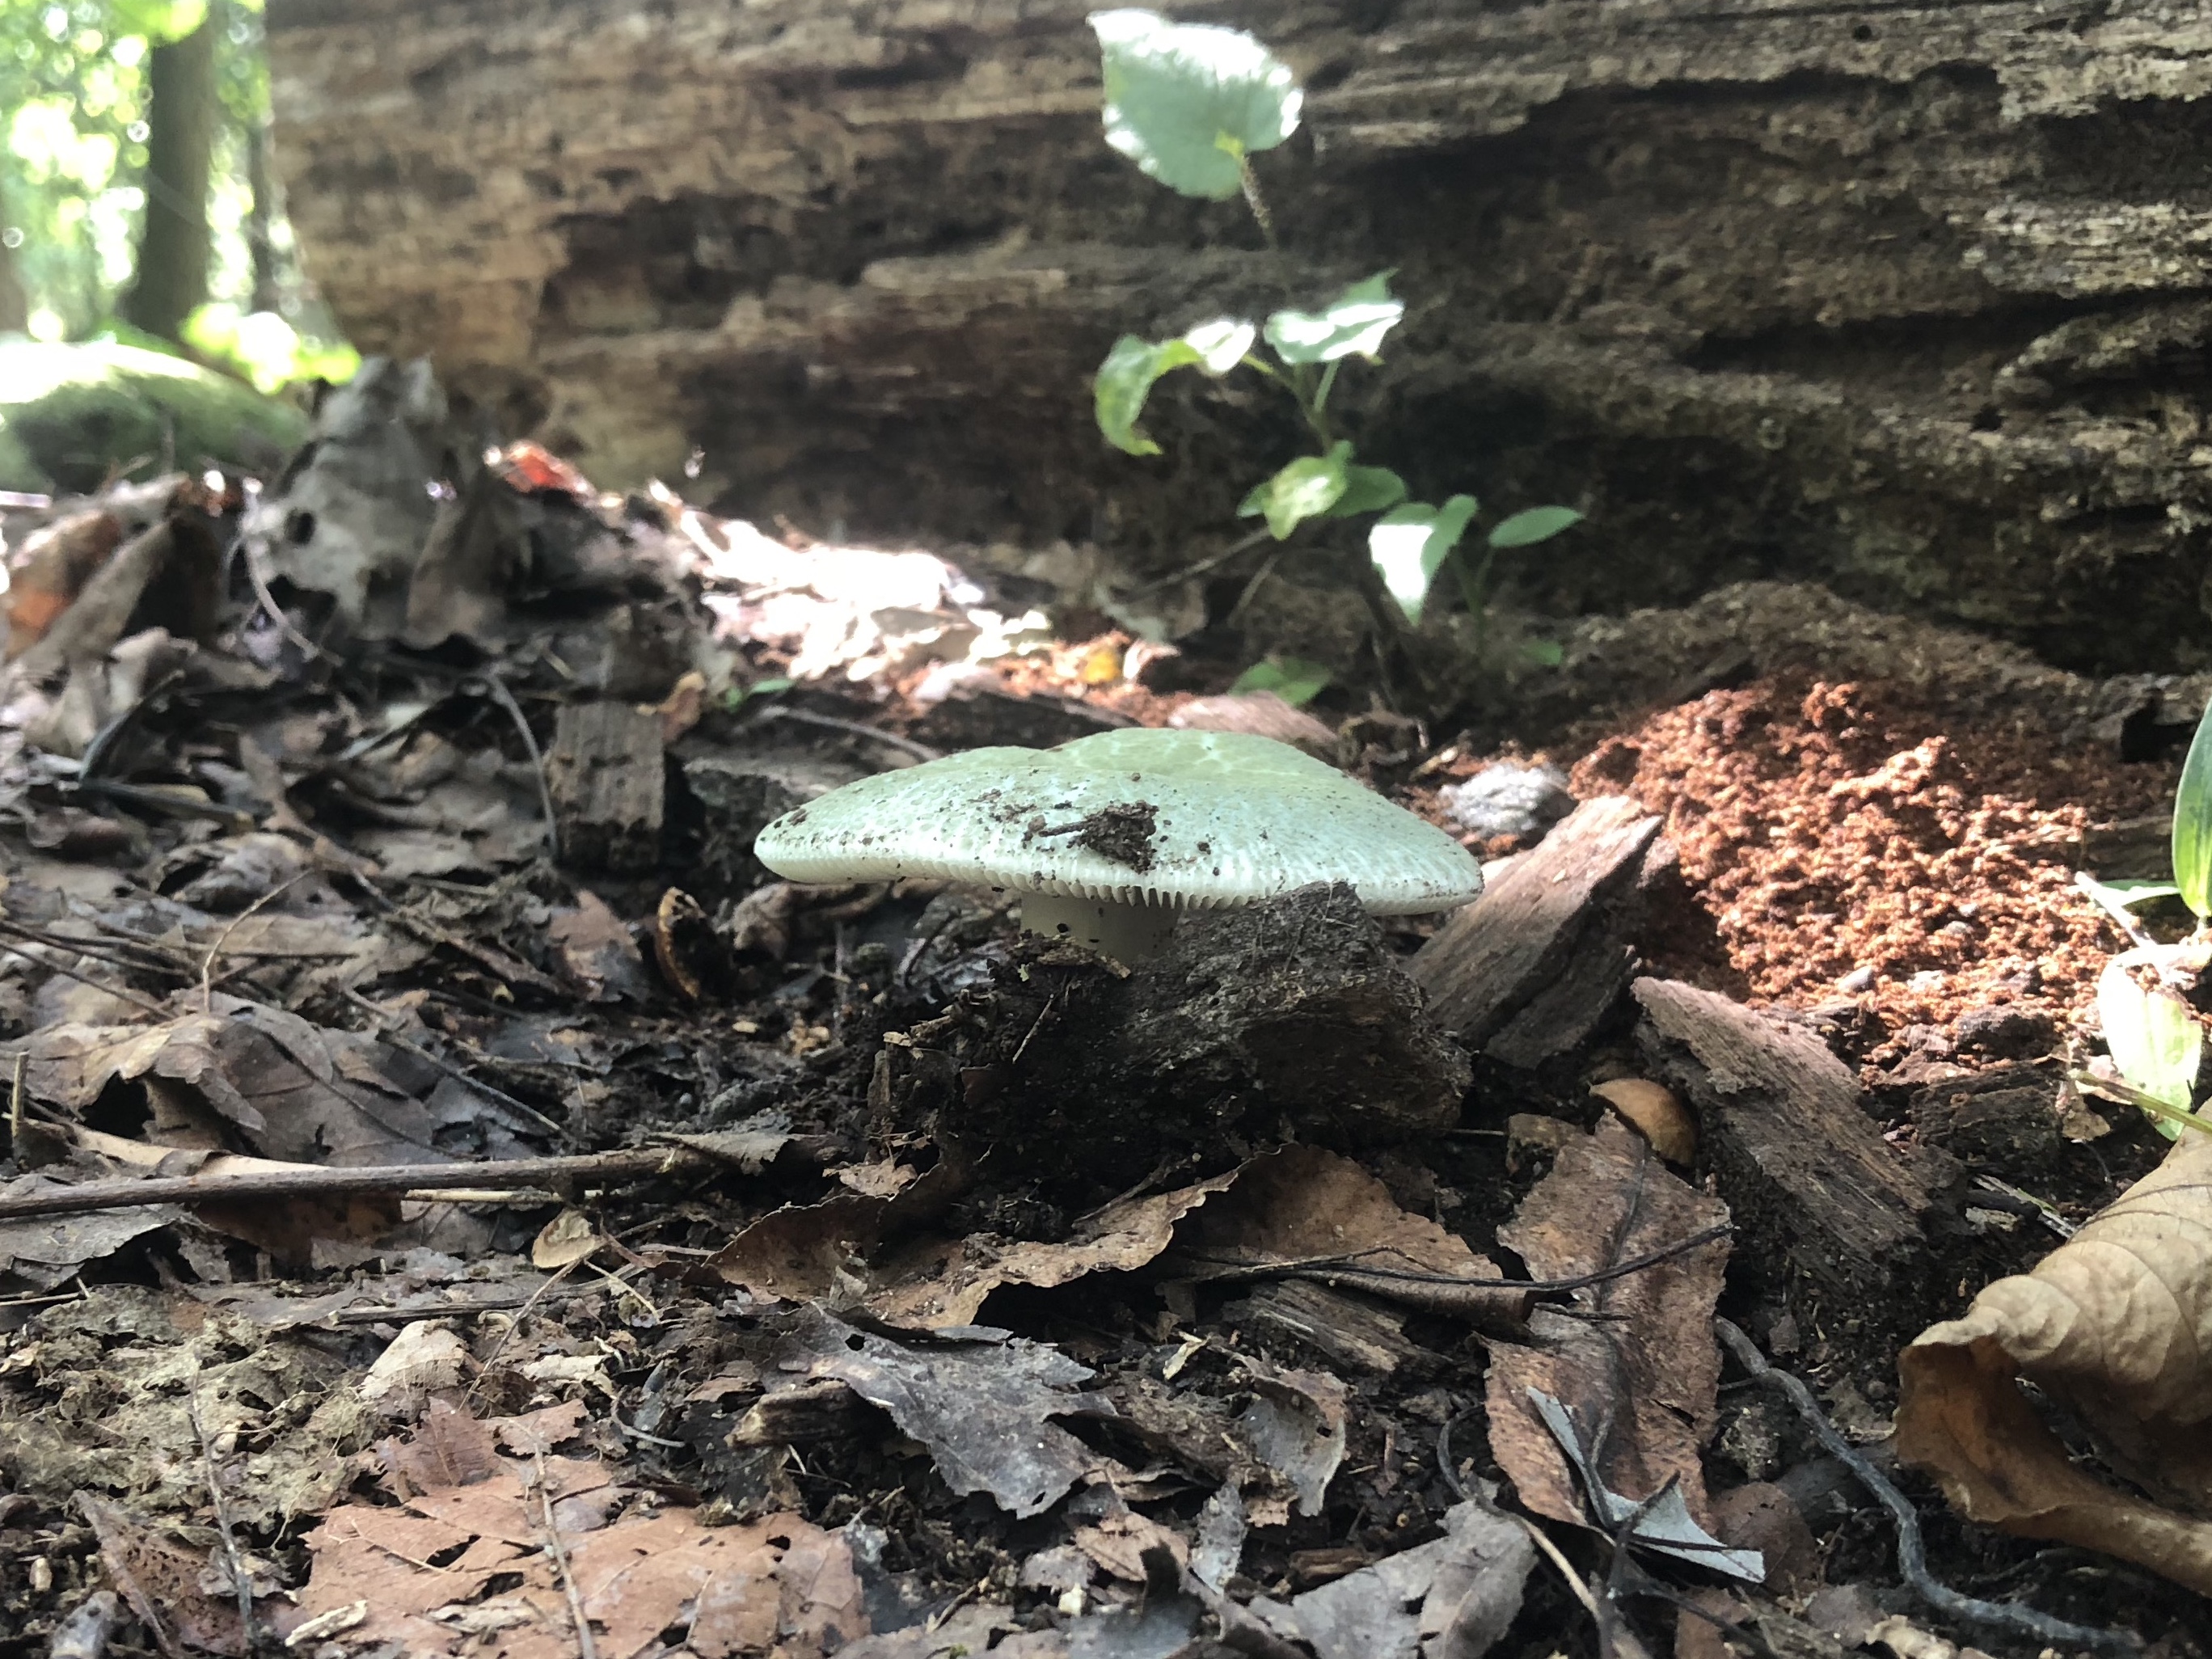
(1841, 828)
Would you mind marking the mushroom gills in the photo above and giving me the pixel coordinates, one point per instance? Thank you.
(1127, 932)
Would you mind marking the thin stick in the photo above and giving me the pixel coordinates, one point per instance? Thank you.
(921, 752)
(240, 1581)
(586, 1646)
(206, 964)
(498, 1097)
(505, 698)
(130, 997)
(310, 1181)
(1911, 1553)
(269, 603)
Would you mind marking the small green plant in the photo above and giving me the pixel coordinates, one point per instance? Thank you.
(1293, 679)
(1191, 103)
(2152, 1032)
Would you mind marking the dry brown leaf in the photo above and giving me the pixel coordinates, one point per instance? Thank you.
(1657, 1113)
(571, 1236)
(2117, 1323)
(1637, 1364)
(776, 1584)
(1305, 1205)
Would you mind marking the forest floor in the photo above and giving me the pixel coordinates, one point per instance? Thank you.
(797, 1292)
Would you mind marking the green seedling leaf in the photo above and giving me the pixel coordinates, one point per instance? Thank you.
(1293, 679)
(2154, 1037)
(1545, 653)
(2126, 894)
(1187, 102)
(1410, 543)
(1125, 380)
(1367, 489)
(2192, 822)
(1352, 324)
(1307, 488)
(738, 695)
(1537, 524)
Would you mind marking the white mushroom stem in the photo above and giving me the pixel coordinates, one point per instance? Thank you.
(1127, 932)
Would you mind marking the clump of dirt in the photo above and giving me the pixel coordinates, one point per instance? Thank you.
(1860, 841)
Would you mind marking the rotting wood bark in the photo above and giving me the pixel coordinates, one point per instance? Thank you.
(1804, 1170)
(1525, 974)
(609, 782)
(1907, 299)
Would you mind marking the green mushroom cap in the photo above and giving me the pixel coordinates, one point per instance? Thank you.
(1180, 819)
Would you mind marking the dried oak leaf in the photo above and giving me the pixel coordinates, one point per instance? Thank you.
(1636, 1364)
(2116, 1322)
(777, 1584)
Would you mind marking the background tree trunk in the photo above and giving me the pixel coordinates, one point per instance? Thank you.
(260, 218)
(182, 115)
(14, 302)
(1910, 300)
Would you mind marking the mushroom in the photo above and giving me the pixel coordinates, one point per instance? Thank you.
(1108, 837)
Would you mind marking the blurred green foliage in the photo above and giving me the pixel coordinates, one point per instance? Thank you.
(73, 105)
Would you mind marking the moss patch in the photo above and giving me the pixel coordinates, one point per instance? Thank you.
(69, 413)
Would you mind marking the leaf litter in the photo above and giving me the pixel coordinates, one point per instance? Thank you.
(813, 1342)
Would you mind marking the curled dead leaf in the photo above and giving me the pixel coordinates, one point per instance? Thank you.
(1657, 1113)
(2116, 1322)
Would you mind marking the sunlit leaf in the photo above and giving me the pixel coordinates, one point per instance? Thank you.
(1308, 487)
(1293, 679)
(1545, 653)
(1410, 543)
(2154, 1037)
(1367, 489)
(1352, 324)
(2192, 821)
(1535, 524)
(1186, 101)
(1221, 344)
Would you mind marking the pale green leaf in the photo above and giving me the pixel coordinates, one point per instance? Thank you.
(1186, 102)
(1535, 524)
(1352, 324)
(1221, 344)
(1367, 489)
(1125, 381)
(1305, 488)
(2154, 1037)
(1293, 679)
(1410, 543)
(159, 21)
(2192, 821)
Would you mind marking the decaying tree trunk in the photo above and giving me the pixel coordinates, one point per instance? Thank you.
(1909, 299)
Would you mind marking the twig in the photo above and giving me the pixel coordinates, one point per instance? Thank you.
(16, 1105)
(498, 1097)
(1912, 1552)
(505, 699)
(921, 752)
(88, 947)
(586, 1647)
(310, 1181)
(269, 603)
(241, 1581)
(1213, 561)
(207, 963)
(130, 997)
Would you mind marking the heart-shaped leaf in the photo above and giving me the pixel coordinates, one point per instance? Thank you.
(1307, 488)
(1352, 324)
(1367, 489)
(1187, 101)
